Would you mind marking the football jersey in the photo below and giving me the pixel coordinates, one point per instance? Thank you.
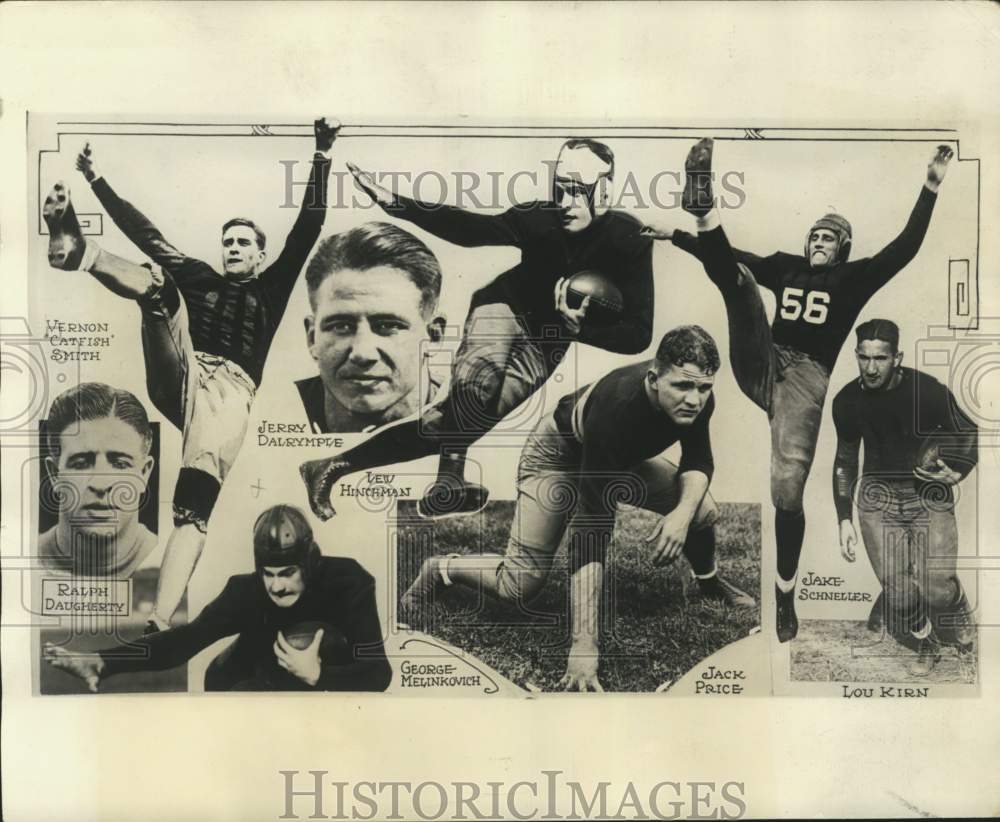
(610, 245)
(232, 319)
(817, 307)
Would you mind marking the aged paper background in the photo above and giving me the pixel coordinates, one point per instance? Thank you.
(810, 65)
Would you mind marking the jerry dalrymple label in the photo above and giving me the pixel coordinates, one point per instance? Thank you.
(86, 596)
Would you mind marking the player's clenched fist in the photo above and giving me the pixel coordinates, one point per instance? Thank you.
(938, 166)
(325, 129)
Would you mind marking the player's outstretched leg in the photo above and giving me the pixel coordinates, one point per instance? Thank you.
(66, 242)
(86, 666)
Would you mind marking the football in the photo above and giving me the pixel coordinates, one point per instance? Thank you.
(333, 647)
(606, 300)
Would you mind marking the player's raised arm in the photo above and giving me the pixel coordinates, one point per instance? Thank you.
(898, 254)
(281, 275)
(456, 225)
(131, 222)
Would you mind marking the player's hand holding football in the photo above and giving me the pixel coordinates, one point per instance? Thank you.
(572, 317)
(942, 473)
(581, 670)
(85, 163)
(366, 182)
(303, 664)
(325, 129)
(848, 539)
(86, 666)
(938, 166)
(668, 537)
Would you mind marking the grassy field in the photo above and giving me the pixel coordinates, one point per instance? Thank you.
(831, 650)
(654, 634)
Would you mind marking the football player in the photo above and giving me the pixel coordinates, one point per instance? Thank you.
(519, 325)
(373, 291)
(292, 584)
(602, 445)
(784, 367)
(205, 335)
(918, 446)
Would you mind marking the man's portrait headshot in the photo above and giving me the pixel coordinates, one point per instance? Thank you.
(96, 517)
(373, 295)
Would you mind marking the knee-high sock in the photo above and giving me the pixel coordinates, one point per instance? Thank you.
(719, 259)
(699, 549)
(789, 529)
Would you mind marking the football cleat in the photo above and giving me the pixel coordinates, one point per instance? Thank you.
(66, 242)
(928, 655)
(697, 198)
(451, 496)
(319, 477)
(720, 590)
(787, 623)
(876, 617)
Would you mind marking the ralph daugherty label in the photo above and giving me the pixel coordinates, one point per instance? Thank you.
(86, 596)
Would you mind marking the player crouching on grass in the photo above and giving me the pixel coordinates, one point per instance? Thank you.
(600, 446)
(294, 591)
(784, 367)
(906, 506)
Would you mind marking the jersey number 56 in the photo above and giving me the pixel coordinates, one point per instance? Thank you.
(813, 308)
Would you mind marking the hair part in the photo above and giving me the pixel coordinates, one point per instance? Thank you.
(96, 401)
(688, 344)
(258, 233)
(601, 150)
(881, 330)
(374, 245)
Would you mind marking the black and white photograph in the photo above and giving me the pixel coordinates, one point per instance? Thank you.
(499, 410)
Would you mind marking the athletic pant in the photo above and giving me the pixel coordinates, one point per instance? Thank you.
(206, 396)
(547, 479)
(787, 384)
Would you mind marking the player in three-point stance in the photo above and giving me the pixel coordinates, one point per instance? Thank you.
(293, 586)
(918, 446)
(205, 336)
(785, 367)
(519, 325)
(602, 445)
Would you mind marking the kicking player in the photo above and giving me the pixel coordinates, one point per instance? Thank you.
(785, 367)
(205, 336)
(905, 508)
(292, 584)
(519, 325)
(601, 445)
